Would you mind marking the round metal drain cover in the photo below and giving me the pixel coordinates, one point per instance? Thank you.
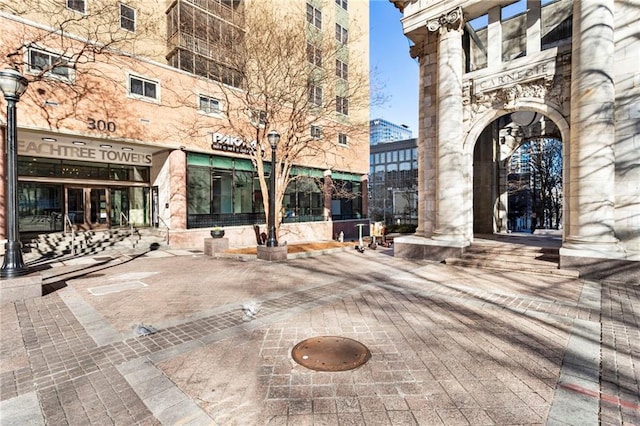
(330, 353)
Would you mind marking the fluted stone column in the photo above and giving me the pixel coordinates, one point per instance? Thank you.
(451, 180)
(591, 148)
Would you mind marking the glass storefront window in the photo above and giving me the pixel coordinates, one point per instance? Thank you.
(39, 207)
(226, 191)
(55, 168)
(199, 191)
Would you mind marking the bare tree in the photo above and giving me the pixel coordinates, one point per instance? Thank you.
(299, 81)
(55, 47)
(546, 168)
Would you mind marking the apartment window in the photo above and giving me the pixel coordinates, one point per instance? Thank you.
(314, 55)
(127, 18)
(77, 5)
(209, 105)
(342, 105)
(342, 139)
(314, 16)
(315, 94)
(341, 33)
(259, 118)
(342, 4)
(53, 65)
(342, 69)
(316, 132)
(143, 88)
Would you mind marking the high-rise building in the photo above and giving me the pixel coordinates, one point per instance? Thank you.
(154, 112)
(386, 131)
(393, 182)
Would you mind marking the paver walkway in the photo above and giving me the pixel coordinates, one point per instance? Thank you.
(449, 345)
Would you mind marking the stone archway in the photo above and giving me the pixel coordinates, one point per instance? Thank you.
(583, 80)
(473, 135)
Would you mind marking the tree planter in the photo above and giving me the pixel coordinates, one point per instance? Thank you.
(217, 233)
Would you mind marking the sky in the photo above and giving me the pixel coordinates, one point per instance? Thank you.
(392, 67)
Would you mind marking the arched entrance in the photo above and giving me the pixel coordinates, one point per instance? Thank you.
(517, 174)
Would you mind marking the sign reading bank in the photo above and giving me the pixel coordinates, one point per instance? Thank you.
(84, 153)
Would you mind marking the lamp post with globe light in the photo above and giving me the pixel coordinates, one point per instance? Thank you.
(13, 85)
(274, 138)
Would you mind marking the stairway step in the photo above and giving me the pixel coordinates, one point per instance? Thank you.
(535, 258)
(66, 245)
(548, 269)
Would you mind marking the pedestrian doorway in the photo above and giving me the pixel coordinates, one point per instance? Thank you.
(87, 207)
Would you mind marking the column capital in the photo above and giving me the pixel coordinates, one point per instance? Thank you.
(451, 20)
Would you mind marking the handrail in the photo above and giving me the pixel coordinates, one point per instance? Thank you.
(126, 220)
(166, 226)
(67, 220)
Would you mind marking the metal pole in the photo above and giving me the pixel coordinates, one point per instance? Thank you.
(13, 263)
(271, 240)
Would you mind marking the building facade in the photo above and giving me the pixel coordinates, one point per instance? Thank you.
(141, 123)
(393, 182)
(386, 131)
(571, 62)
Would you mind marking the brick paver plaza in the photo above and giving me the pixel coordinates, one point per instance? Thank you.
(449, 345)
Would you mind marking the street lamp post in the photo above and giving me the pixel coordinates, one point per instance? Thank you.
(274, 138)
(13, 85)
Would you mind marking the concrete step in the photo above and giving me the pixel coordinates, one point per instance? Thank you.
(503, 256)
(547, 268)
(86, 243)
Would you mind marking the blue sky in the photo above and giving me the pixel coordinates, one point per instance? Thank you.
(392, 67)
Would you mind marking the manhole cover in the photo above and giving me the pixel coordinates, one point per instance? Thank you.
(330, 353)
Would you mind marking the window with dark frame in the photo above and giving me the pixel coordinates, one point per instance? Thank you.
(52, 64)
(315, 94)
(127, 18)
(342, 4)
(342, 105)
(314, 16)
(142, 87)
(259, 119)
(76, 5)
(314, 54)
(316, 132)
(209, 105)
(342, 70)
(341, 33)
(342, 139)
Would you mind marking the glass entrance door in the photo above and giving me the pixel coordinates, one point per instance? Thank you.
(75, 206)
(87, 208)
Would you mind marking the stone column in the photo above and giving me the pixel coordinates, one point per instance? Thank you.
(591, 147)
(426, 53)
(451, 181)
(533, 26)
(178, 189)
(494, 37)
(327, 191)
